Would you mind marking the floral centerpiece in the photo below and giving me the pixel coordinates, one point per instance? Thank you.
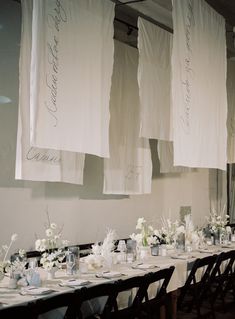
(217, 224)
(177, 234)
(192, 237)
(52, 259)
(52, 246)
(145, 237)
(5, 263)
(102, 253)
(168, 232)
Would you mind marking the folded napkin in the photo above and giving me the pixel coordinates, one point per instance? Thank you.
(144, 266)
(74, 282)
(208, 251)
(31, 290)
(226, 246)
(182, 256)
(109, 274)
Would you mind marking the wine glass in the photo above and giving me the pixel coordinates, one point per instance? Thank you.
(70, 263)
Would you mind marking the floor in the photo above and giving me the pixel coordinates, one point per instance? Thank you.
(229, 313)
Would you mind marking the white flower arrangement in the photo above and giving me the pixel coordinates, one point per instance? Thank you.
(53, 259)
(4, 251)
(146, 236)
(218, 221)
(53, 238)
(52, 246)
(191, 234)
(169, 231)
(102, 252)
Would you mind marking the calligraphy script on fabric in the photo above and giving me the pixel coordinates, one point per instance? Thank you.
(54, 21)
(188, 71)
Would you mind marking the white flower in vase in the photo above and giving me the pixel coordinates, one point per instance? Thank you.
(6, 266)
(144, 237)
(52, 246)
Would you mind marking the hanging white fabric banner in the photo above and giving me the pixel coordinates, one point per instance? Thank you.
(231, 111)
(166, 155)
(34, 163)
(199, 100)
(129, 168)
(71, 69)
(154, 78)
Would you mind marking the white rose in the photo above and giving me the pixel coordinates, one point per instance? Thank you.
(156, 232)
(53, 226)
(180, 229)
(22, 253)
(14, 237)
(228, 229)
(132, 236)
(138, 238)
(140, 223)
(38, 244)
(49, 232)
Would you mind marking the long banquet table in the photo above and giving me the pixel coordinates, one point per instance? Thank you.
(181, 262)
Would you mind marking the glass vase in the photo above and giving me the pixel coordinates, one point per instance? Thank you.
(216, 237)
(51, 273)
(144, 252)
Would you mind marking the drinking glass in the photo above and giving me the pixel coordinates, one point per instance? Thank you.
(70, 263)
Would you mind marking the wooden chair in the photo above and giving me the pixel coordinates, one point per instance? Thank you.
(197, 285)
(151, 307)
(67, 299)
(21, 311)
(222, 279)
(134, 289)
(88, 299)
(138, 303)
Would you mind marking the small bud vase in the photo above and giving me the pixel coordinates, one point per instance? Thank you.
(144, 252)
(51, 273)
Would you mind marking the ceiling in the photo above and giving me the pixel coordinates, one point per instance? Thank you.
(159, 12)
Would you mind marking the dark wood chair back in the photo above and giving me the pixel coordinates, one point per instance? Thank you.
(152, 305)
(197, 284)
(222, 277)
(21, 311)
(89, 294)
(67, 299)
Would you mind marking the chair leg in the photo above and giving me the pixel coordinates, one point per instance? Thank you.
(163, 312)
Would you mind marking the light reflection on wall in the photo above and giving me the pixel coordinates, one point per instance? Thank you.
(4, 99)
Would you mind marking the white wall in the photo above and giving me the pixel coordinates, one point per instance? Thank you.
(83, 210)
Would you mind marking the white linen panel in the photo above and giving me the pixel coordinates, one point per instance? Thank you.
(71, 69)
(199, 99)
(231, 111)
(166, 155)
(154, 78)
(129, 168)
(38, 164)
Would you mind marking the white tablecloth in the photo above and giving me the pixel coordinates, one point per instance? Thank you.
(9, 297)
